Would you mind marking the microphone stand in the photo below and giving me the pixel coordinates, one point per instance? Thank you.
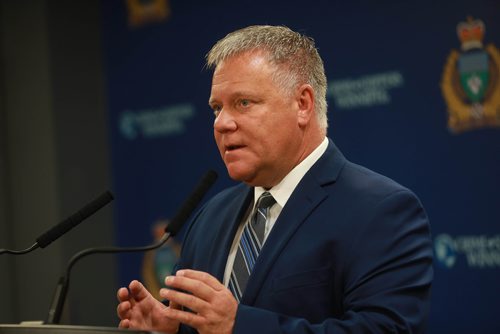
(20, 252)
(175, 225)
(57, 304)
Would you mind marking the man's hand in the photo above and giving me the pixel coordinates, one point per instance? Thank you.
(212, 304)
(138, 309)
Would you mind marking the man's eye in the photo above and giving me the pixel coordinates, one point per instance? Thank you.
(216, 109)
(244, 103)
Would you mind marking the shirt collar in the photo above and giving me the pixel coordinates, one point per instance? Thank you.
(283, 190)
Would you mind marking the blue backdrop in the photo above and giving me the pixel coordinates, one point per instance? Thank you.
(394, 70)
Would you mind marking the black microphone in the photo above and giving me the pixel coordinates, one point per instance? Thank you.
(46, 239)
(173, 227)
(57, 231)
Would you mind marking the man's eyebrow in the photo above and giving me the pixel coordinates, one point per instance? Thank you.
(233, 96)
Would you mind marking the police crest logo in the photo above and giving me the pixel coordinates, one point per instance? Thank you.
(142, 12)
(471, 80)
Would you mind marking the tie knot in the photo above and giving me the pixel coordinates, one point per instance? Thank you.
(266, 200)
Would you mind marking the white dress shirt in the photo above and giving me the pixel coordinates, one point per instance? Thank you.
(281, 193)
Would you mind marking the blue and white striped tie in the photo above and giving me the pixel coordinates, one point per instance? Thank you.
(250, 245)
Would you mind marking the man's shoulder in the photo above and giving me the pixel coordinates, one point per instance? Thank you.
(371, 178)
(352, 176)
(359, 182)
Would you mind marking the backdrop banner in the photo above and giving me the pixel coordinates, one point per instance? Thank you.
(414, 93)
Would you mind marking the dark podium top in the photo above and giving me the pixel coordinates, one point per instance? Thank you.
(64, 329)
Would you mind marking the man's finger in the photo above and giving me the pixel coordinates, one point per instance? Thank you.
(124, 324)
(190, 301)
(137, 291)
(188, 318)
(193, 286)
(123, 309)
(122, 294)
(202, 276)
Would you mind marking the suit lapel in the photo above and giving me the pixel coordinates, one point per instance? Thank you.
(227, 230)
(304, 199)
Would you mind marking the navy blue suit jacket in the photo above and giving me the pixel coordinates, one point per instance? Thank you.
(350, 253)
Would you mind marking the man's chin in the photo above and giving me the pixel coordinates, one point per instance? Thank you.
(240, 175)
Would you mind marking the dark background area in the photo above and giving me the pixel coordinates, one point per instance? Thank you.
(89, 102)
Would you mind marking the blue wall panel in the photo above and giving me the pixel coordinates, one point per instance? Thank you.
(385, 62)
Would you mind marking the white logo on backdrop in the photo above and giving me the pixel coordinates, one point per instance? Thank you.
(153, 123)
(480, 251)
(365, 91)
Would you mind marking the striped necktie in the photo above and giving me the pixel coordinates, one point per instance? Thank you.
(250, 245)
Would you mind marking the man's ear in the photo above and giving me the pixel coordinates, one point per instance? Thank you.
(305, 99)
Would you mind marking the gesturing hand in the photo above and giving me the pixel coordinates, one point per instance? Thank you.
(212, 304)
(138, 309)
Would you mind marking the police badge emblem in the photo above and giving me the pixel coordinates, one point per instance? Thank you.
(470, 82)
(142, 12)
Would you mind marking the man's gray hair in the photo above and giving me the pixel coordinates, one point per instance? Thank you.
(295, 56)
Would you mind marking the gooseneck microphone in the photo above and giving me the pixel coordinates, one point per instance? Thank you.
(57, 231)
(176, 223)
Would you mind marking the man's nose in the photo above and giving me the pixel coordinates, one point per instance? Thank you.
(225, 122)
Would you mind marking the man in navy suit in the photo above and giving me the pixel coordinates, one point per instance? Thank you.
(344, 250)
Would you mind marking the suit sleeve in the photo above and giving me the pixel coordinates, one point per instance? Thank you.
(388, 274)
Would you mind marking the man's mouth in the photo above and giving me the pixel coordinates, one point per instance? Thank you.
(230, 148)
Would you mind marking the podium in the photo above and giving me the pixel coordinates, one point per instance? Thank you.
(64, 329)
